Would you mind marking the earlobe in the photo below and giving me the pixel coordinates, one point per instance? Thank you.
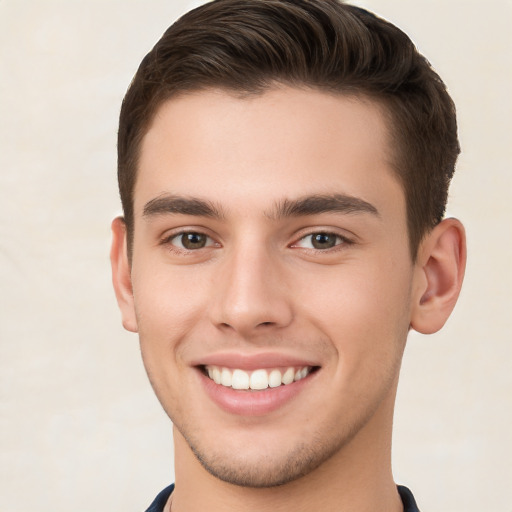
(438, 276)
(121, 274)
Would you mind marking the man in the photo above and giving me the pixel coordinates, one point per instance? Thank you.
(283, 168)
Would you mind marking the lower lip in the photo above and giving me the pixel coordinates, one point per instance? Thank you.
(253, 403)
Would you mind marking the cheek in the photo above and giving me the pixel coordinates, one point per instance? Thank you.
(168, 295)
(363, 310)
(168, 304)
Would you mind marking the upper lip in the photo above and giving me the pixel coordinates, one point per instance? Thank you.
(251, 362)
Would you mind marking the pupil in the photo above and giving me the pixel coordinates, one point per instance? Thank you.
(323, 241)
(193, 240)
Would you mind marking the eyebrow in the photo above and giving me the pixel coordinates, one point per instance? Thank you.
(316, 204)
(303, 206)
(179, 205)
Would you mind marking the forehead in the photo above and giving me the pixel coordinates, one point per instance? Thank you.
(285, 142)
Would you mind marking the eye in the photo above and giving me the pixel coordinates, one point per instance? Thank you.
(321, 240)
(190, 240)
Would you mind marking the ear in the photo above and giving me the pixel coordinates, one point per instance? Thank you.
(121, 274)
(438, 276)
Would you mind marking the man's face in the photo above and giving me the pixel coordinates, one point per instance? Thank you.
(270, 244)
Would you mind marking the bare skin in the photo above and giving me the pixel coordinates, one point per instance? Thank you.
(237, 265)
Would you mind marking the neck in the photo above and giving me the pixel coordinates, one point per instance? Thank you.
(357, 478)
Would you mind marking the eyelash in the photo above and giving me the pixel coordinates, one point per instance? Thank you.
(341, 242)
(168, 241)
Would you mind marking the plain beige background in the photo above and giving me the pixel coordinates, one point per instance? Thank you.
(80, 427)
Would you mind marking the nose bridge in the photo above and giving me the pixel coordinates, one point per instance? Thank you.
(251, 289)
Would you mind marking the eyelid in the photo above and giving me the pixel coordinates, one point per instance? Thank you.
(344, 240)
(168, 237)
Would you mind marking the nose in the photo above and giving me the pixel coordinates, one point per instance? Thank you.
(251, 293)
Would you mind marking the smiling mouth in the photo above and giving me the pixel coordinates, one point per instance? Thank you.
(256, 380)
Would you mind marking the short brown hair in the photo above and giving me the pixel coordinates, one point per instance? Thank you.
(246, 46)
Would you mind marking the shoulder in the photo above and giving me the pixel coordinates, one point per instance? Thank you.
(407, 499)
(161, 499)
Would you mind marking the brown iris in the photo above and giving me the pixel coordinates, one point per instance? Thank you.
(323, 240)
(193, 240)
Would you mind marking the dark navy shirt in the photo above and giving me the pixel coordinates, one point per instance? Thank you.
(406, 495)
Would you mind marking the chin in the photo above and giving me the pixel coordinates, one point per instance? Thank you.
(264, 463)
(261, 472)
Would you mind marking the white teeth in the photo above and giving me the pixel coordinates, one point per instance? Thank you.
(240, 380)
(301, 373)
(259, 379)
(225, 377)
(274, 379)
(288, 376)
(256, 380)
